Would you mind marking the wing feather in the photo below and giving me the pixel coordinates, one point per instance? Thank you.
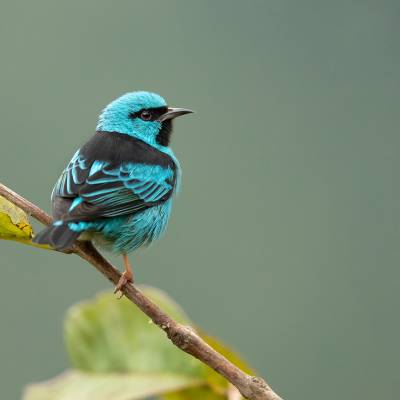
(108, 190)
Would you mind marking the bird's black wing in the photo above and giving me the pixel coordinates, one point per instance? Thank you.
(112, 188)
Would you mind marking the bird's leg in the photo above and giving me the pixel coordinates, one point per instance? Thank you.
(127, 275)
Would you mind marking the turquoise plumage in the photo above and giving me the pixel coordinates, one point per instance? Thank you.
(118, 188)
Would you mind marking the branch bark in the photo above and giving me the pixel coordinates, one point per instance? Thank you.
(251, 387)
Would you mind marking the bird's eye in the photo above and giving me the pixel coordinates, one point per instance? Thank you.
(145, 115)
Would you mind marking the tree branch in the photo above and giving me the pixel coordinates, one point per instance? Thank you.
(184, 337)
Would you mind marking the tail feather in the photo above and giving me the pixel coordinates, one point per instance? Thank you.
(58, 236)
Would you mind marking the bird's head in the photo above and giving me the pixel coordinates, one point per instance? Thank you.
(142, 115)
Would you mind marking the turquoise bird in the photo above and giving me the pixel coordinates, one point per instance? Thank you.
(118, 188)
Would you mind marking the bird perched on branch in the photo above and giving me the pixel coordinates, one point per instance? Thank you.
(118, 188)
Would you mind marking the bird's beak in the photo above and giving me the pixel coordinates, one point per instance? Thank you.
(173, 113)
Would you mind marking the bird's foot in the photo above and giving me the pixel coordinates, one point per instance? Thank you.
(125, 279)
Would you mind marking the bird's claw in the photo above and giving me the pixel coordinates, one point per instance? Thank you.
(123, 281)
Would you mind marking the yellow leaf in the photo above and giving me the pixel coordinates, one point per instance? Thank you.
(215, 380)
(199, 393)
(217, 387)
(14, 223)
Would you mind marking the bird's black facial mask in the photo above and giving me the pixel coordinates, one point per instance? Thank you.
(149, 114)
(166, 118)
(163, 137)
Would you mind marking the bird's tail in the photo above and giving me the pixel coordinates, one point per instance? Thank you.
(58, 236)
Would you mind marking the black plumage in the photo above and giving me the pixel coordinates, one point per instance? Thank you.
(59, 237)
(116, 148)
(164, 135)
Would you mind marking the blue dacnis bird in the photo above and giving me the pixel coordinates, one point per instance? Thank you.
(118, 188)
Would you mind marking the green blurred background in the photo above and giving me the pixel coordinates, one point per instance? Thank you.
(284, 241)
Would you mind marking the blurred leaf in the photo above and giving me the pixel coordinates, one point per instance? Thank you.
(199, 393)
(217, 386)
(214, 379)
(77, 385)
(119, 354)
(106, 335)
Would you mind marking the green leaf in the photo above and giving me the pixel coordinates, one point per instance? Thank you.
(119, 354)
(106, 335)
(77, 385)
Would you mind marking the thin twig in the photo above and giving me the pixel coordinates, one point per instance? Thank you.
(184, 337)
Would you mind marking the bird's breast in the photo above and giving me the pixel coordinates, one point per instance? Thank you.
(141, 229)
